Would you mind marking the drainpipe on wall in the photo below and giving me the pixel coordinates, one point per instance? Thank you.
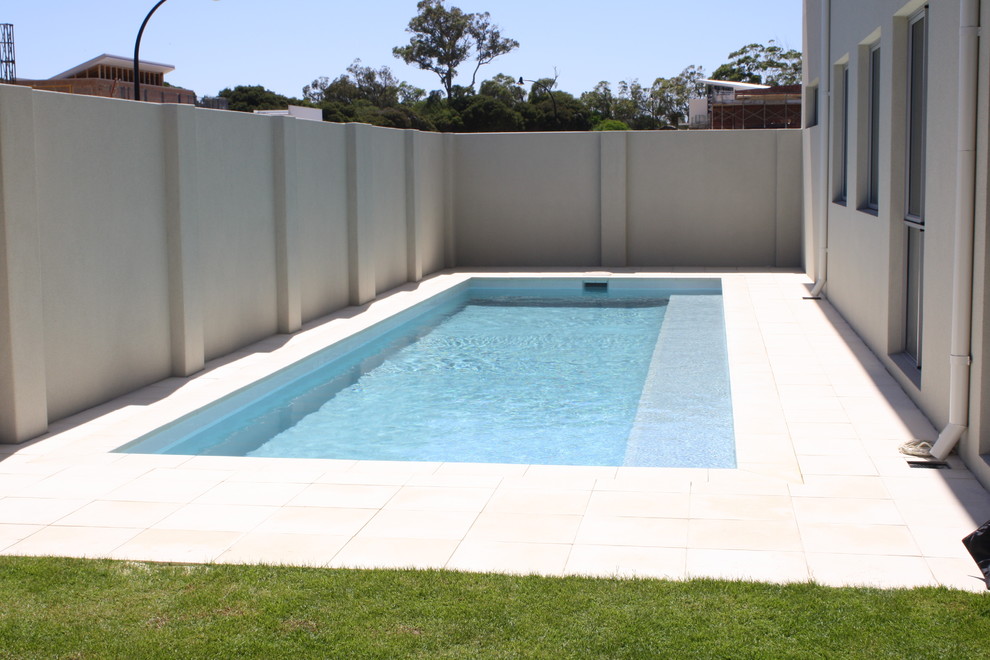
(824, 105)
(962, 274)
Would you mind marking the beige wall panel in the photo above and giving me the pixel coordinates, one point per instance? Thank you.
(322, 206)
(101, 204)
(430, 201)
(236, 193)
(703, 198)
(527, 199)
(388, 206)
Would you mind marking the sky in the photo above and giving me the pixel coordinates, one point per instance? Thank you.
(286, 44)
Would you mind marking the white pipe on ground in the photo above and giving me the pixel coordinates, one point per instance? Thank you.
(824, 104)
(962, 273)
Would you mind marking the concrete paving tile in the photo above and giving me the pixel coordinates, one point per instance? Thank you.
(12, 533)
(394, 553)
(772, 535)
(638, 504)
(831, 538)
(837, 465)
(539, 501)
(316, 521)
(108, 513)
(218, 517)
(827, 486)
(160, 490)
(517, 558)
(940, 541)
(13, 485)
(957, 573)
(525, 527)
(759, 565)
(482, 469)
(741, 507)
(284, 549)
(344, 496)
(633, 531)
(446, 525)
(882, 571)
(438, 498)
(626, 561)
(37, 511)
(65, 541)
(251, 493)
(846, 510)
(181, 546)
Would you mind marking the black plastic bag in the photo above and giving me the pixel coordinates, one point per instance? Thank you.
(978, 545)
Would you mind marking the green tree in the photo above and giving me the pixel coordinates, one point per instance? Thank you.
(504, 88)
(611, 125)
(443, 39)
(380, 87)
(670, 97)
(768, 64)
(600, 101)
(248, 98)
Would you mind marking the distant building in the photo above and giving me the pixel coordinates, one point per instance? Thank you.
(302, 112)
(113, 76)
(736, 105)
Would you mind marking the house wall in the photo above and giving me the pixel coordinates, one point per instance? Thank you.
(140, 241)
(866, 265)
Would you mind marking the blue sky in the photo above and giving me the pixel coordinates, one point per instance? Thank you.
(285, 44)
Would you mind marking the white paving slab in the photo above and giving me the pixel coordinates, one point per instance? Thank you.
(820, 491)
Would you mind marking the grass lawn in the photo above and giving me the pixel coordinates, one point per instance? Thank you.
(67, 608)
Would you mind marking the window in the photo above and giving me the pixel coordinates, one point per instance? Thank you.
(873, 156)
(914, 216)
(811, 106)
(917, 91)
(841, 149)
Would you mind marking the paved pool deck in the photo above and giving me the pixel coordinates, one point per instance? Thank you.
(820, 493)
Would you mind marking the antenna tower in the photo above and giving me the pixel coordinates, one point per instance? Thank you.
(8, 71)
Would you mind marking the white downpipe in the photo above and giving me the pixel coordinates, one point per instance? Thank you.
(824, 106)
(962, 273)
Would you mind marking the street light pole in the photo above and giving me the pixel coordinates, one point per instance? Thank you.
(137, 50)
(549, 93)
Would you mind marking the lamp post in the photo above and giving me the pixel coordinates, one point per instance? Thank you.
(137, 49)
(549, 93)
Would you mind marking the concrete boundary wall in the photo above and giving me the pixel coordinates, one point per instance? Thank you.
(139, 241)
(640, 199)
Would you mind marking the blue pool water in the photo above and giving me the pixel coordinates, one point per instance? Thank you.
(555, 375)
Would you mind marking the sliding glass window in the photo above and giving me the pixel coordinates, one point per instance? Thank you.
(914, 217)
(873, 157)
(841, 169)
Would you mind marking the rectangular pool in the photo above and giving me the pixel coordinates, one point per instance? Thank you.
(555, 371)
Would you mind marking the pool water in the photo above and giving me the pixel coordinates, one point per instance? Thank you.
(551, 375)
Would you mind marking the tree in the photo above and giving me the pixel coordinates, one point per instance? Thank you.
(768, 64)
(380, 87)
(670, 97)
(600, 101)
(504, 88)
(443, 39)
(248, 98)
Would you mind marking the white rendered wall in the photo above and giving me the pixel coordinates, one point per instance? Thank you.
(139, 240)
(658, 198)
(866, 253)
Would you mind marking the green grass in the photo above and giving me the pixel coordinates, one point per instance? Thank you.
(66, 608)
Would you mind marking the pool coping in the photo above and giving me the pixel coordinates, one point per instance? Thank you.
(819, 492)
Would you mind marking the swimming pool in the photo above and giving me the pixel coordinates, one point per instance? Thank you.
(617, 371)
